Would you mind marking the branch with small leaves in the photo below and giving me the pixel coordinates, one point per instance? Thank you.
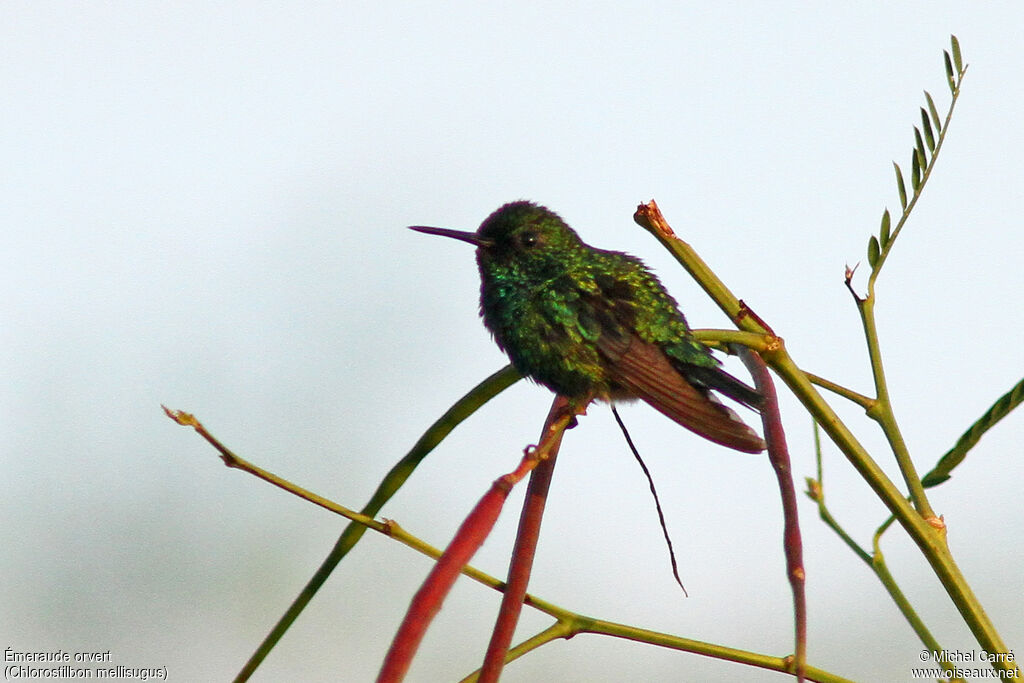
(911, 509)
(921, 523)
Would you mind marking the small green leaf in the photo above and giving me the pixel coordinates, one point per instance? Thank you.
(1000, 409)
(949, 72)
(900, 185)
(936, 121)
(922, 156)
(915, 172)
(872, 251)
(883, 234)
(926, 126)
(957, 59)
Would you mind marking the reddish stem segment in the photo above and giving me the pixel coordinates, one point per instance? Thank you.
(470, 536)
(778, 454)
(522, 555)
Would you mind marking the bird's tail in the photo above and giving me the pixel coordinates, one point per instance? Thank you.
(721, 381)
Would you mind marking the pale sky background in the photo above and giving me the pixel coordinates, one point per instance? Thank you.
(205, 206)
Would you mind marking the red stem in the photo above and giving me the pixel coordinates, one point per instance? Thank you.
(470, 536)
(522, 555)
(778, 454)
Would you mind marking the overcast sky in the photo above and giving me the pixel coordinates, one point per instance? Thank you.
(205, 206)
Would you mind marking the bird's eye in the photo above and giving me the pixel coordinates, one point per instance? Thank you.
(528, 239)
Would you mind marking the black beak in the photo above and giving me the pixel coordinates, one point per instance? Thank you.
(462, 235)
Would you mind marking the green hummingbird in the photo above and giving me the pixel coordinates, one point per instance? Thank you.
(594, 324)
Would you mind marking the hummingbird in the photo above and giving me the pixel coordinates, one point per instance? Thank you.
(594, 324)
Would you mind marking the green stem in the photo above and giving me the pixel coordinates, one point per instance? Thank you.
(927, 537)
(875, 560)
(832, 524)
(781, 664)
(721, 339)
(459, 411)
(568, 623)
(860, 399)
(560, 629)
(882, 412)
(817, 494)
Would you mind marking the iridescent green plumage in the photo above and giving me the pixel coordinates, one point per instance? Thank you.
(589, 323)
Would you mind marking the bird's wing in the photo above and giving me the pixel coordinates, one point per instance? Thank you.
(643, 369)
